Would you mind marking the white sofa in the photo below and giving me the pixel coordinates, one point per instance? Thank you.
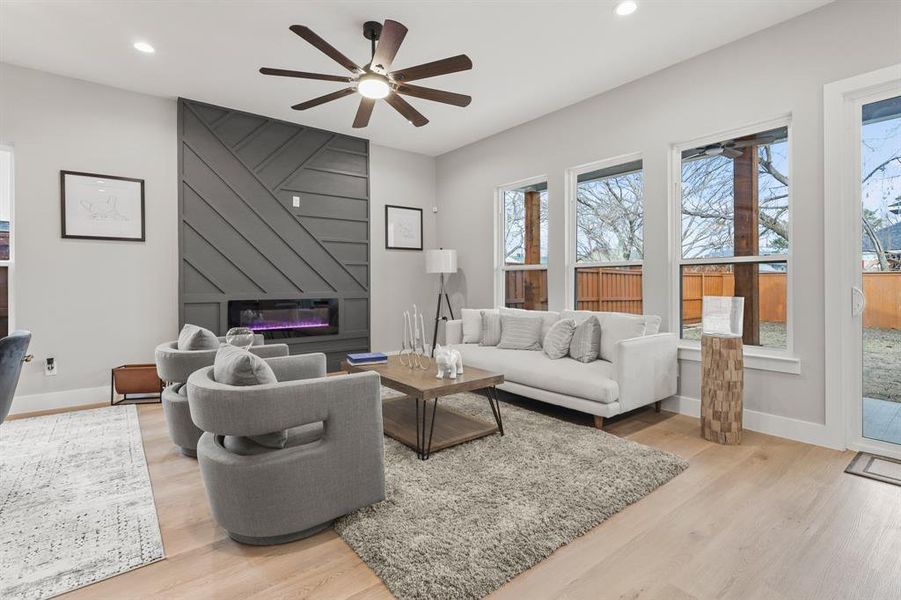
(643, 370)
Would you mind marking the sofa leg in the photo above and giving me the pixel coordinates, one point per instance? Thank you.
(657, 406)
(598, 422)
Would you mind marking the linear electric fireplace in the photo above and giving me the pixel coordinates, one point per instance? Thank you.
(283, 319)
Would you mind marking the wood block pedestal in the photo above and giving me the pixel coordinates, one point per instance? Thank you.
(722, 383)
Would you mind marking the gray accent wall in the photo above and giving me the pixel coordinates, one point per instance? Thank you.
(240, 235)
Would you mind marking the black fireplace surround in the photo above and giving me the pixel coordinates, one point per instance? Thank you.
(285, 319)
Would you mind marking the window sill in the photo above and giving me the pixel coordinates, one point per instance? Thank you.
(759, 359)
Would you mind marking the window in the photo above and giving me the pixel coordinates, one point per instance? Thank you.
(523, 245)
(609, 222)
(735, 232)
(6, 174)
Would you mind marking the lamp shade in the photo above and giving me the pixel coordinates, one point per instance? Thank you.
(441, 261)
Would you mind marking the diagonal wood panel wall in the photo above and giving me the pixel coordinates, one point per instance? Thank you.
(240, 235)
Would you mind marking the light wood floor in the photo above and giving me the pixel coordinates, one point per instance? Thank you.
(769, 519)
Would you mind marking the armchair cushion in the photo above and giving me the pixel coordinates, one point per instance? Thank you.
(236, 366)
(194, 337)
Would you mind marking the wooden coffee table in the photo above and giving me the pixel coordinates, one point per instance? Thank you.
(425, 426)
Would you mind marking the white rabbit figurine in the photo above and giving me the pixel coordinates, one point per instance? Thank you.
(449, 362)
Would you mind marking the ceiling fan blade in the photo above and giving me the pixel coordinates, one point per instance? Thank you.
(364, 112)
(404, 108)
(326, 48)
(392, 35)
(444, 66)
(302, 75)
(730, 152)
(433, 94)
(324, 99)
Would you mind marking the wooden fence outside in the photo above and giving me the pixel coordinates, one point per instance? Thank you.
(619, 290)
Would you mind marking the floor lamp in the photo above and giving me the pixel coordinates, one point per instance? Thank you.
(444, 262)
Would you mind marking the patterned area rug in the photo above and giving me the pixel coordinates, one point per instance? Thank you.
(471, 517)
(76, 505)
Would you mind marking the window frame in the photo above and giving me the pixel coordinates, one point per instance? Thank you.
(10, 262)
(500, 266)
(571, 181)
(761, 357)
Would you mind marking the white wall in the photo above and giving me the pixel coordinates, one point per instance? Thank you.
(774, 72)
(398, 276)
(94, 305)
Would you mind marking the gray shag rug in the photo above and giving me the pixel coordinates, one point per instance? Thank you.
(76, 504)
(472, 517)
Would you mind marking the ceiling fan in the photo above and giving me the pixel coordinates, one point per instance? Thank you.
(376, 80)
(731, 148)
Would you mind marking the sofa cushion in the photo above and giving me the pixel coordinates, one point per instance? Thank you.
(557, 341)
(472, 325)
(617, 328)
(491, 328)
(593, 381)
(194, 337)
(548, 317)
(586, 341)
(652, 322)
(520, 333)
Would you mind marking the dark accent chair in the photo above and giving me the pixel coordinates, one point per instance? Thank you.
(13, 352)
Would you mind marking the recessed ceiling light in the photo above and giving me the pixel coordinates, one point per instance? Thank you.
(626, 7)
(144, 47)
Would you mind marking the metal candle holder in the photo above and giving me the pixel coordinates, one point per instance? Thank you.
(413, 352)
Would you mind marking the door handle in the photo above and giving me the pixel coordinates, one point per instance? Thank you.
(858, 301)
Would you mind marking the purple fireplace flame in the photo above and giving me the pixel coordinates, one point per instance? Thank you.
(280, 319)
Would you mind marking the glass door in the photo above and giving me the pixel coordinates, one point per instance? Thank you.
(877, 296)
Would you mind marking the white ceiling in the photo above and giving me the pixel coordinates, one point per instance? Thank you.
(530, 58)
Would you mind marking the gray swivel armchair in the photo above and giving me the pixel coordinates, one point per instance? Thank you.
(13, 352)
(174, 366)
(332, 462)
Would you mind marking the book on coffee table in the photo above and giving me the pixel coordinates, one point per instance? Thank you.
(367, 358)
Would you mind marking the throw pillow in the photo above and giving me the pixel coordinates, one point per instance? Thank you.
(194, 337)
(548, 317)
(491, 328)
(520, 333)
(236, 366)
(557, 341)
(616, 328)
(586, 341)
(472, 325)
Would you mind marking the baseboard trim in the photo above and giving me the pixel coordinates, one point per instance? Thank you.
(761, 422)
(63, 400)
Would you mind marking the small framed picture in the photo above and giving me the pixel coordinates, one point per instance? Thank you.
(403, 228)
(101, 207)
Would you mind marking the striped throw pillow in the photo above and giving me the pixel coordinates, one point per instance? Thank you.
(557, 341)
(586, 342)
(491, 328)
(520, 333)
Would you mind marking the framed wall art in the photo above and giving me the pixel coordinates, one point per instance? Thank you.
(403, 228)
(101, 207)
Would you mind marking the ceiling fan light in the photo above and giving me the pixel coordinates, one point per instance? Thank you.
(373, 86)
(626, 7)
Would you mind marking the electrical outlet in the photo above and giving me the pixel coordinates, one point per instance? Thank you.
(50, 367)
(295, 200)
